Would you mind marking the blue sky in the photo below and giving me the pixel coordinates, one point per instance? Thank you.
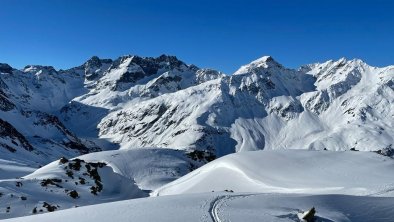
(216, 34)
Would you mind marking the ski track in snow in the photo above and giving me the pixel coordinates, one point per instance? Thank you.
(221, 201)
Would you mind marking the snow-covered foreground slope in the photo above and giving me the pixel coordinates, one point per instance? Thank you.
(150, 168)
(90, 179)
(291, 171)
(218, 207)
(260, 185)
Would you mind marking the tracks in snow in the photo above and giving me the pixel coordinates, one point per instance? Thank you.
(220, 201)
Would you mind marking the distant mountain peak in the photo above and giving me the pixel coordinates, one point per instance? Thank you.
(95, 61)
(264, 62)
(38, 69)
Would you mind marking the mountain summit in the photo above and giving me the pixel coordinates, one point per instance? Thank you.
(264, 62)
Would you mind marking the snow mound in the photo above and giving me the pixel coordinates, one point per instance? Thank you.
(291, 171)
(63, 184)
(90, 179)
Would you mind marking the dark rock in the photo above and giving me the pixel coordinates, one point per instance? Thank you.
(5, 104)
(74, 194)
(63, 160)
(49, 207)
(388, 151)
(310, 215)
(198, 155)
(5, 68)
(54, 182)
(7, 130)
(70, 174)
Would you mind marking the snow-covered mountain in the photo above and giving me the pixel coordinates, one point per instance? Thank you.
(162, 102)
(337, 105)
(190, 116)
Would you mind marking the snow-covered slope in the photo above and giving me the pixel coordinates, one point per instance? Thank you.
(91, 179)
(261, 186)
(291, 171)
(31, 132)
(218, 207)
(335, 105)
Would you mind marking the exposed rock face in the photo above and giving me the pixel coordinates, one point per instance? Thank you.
(11, 139)
(5, 68)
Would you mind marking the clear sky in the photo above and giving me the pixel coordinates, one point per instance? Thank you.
(221, 34)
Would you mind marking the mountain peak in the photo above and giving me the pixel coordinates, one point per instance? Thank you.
(38, 68)
(264, 62)
(95, 61)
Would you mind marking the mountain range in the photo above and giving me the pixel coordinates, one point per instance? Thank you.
(148, 121)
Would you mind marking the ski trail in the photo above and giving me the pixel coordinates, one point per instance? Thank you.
(219, 201)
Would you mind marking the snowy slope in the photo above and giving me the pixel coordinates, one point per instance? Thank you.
(217, 207)
(90, 179)
(275, 185)
(339, 105)
(291, 171)
(13, 169)
(31, 132)
(64, 185)
(96, 178)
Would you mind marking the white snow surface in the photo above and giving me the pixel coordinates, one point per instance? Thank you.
(127, 174)
(275, 185)
(291, 171)
(218, 207)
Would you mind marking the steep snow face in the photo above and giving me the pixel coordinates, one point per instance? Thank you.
(291, 171)
(355, 103)
(180, 119)
(42, 87)
(31, 132)
(129, 80)
(203, 117)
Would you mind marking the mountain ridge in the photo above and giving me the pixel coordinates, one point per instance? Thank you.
(100, 95)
